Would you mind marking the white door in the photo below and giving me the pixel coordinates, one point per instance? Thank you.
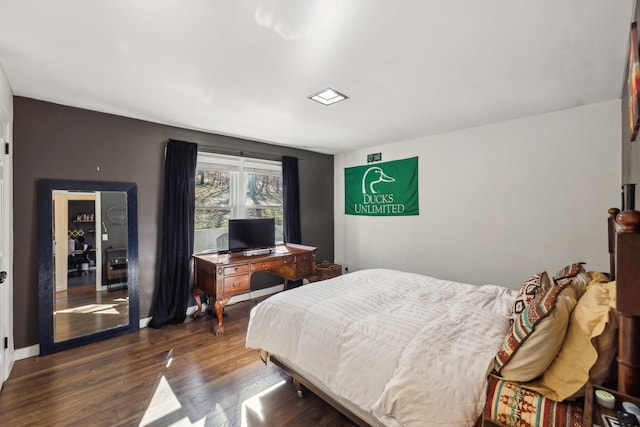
(6, 252)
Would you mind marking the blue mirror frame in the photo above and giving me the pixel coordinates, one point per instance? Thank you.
(46, 284)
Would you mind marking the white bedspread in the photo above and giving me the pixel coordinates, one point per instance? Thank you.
(410, 349)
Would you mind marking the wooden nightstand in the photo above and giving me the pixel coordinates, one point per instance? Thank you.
(593, 412)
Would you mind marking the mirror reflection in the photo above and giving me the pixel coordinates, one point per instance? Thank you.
(90, 260)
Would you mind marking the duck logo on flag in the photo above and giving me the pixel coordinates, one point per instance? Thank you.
(387, 189)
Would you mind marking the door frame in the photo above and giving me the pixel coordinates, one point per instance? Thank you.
(61, 220)
(7, 348)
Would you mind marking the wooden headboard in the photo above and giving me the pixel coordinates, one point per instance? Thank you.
(624, 248)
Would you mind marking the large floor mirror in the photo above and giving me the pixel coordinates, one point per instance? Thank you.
(88, 262)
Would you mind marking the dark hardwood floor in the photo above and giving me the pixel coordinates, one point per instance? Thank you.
(178, 375)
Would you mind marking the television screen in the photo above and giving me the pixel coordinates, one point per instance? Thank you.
(254, 233)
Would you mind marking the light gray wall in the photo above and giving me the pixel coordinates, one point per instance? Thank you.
(6, 96)
(59, 142)
(497, 203)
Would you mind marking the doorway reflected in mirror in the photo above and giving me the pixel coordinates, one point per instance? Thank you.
(88, 267)
(88, 298)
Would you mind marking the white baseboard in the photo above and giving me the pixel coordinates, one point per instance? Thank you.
(26, 352)
(256, 294)
(34, 350)
(144, 322)
(193, 308)
(240, 298)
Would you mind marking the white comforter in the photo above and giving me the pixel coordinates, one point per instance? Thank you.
(409, 349)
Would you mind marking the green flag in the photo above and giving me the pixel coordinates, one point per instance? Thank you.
(383, 189)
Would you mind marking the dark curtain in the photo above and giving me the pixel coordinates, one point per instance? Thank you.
(291, 200)
(173, 287)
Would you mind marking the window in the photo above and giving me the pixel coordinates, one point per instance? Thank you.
(234, 187)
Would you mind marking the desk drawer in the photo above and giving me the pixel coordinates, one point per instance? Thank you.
(238, 269)
(271, 264)
(306, 257)
(304, 269)
(236, 284)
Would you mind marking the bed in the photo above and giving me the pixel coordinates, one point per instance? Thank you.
(391, 348)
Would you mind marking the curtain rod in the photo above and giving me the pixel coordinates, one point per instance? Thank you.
(241, 153)
(214, 149)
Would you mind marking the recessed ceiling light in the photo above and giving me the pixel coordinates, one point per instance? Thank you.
(328, 96)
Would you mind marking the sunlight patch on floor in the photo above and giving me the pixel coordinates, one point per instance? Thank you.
(107, 311)
(163, 402)
(186, 422)
(91, 308)
(254, 405)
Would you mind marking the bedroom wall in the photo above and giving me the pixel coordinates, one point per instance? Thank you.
(497, 203)
(55, 141)
(6, 96)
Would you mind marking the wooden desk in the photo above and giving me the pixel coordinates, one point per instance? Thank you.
(223, 276)
(117, 267)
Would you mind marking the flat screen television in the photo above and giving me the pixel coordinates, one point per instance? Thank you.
(251, 233)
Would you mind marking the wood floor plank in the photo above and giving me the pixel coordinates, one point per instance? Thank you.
(213, 379)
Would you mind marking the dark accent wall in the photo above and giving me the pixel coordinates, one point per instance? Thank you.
(59, 142)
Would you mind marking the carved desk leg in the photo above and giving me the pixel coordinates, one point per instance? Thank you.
(196, 296)
(219, 306)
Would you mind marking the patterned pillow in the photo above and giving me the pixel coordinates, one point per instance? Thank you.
(536, 335)
(536, 283)
(509, 404)
(575, 275)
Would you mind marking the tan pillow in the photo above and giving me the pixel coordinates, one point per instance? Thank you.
(536, 336)
(589, 348)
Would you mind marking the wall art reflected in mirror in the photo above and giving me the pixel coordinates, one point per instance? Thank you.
(88, 262)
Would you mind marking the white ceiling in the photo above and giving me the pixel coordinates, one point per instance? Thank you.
(245, 67)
